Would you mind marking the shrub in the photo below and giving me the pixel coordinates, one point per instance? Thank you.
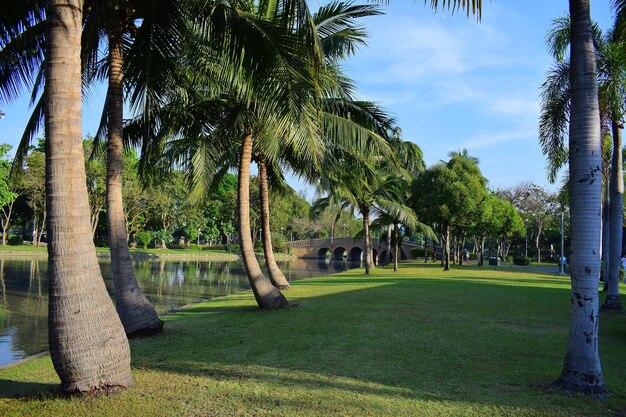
(509, 259)
(521, 260)
(473, 256)
(279, 243)
(233, 248)
(215, 247)
(144, 238)
(15, 240)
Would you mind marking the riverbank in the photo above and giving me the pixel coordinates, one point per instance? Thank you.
(421, 341)
(139, 253)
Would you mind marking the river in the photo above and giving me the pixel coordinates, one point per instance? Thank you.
(168, 284)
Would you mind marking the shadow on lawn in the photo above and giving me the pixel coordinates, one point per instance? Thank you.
(420, 338)
(17, 389)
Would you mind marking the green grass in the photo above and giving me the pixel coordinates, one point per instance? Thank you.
(421, 342)
(23, 248)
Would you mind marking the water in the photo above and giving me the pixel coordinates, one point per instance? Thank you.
(167, 284)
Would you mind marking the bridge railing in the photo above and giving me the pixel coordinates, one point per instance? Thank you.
(340, 241)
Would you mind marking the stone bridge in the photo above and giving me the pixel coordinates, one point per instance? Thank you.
(344, 248)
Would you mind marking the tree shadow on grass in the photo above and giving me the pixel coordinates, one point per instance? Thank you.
(419, 338)
(25, 390)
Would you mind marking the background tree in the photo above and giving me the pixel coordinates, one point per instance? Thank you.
(9, 191)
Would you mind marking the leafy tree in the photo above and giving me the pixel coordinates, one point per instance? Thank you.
(449, 195)
(8, 191)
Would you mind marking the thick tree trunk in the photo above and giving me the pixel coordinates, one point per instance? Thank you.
(581, 368)
(367, 254)
(396, 245)
(266, 295)
(134, 309)
(605, 235)
(88, 346)
(612, 301)
(276, 276)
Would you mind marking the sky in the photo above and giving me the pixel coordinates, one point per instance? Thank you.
(449, 81)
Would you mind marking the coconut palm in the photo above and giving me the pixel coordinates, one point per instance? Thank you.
(149, 60)
(88, 346)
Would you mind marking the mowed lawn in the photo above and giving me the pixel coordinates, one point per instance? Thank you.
(420, 342)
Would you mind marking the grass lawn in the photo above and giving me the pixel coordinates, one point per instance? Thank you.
(420, 342)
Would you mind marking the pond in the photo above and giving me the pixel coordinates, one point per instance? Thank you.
(168, 284)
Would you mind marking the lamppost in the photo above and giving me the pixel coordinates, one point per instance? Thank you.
(344, 230)
(562, 260)
(332, 232)
(199, 230)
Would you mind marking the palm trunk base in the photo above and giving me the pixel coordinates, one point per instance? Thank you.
(612, 303)
(95, 392)
(277, 278)
(271, 300)
(136, 313)
(593, 391)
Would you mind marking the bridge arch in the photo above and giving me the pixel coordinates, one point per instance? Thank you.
(339, 253)
(355, 254)
(374, 256)
(321, 253)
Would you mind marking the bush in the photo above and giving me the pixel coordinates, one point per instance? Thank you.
(15, 240)
(233, 248)
(522, 260)
(215, 247)
(279, 243)
(473, 256)
(418, 252)
(144, 238)
(509, 259)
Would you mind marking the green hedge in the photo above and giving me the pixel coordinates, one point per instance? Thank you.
(522, 260)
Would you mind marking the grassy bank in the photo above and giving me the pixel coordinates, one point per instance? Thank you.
(466, 342)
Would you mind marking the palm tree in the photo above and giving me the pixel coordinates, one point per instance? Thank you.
(88, 346)
(555, 112)
(150, 58)
(581, 368)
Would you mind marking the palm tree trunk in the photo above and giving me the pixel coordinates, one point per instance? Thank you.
(134, 309)
(616, 221)
(367, 255)
(388, 260)
(266, 295)
(605, 235)
(88, 346)
(276, 276)
(582, 371)
(396, 246)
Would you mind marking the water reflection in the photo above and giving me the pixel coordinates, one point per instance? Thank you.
(167, 284)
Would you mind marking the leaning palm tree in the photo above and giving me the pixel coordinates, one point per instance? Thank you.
(88, 346)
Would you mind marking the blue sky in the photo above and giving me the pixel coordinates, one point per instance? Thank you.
(450, 82)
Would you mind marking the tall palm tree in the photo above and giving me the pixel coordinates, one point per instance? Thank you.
(150, 59)
(611, 61)
(88, 346)
(582, 371)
